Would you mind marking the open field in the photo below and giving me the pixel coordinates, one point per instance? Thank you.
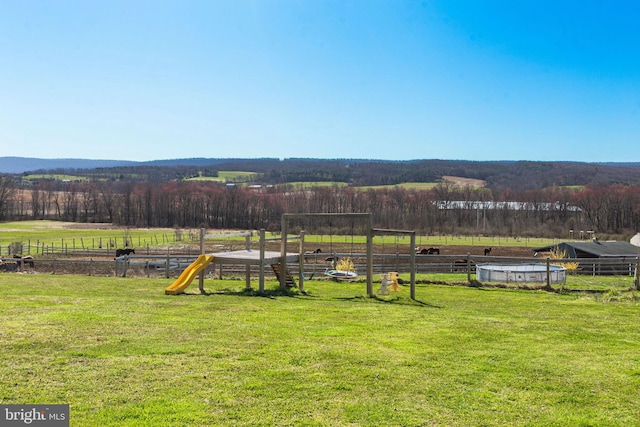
(72, 236)
(91, 235)
(121, 353)
(226, 176)
(405, 185)
(55, 177)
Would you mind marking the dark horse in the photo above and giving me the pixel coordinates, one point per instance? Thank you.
(487, 251)
(430, 251)
(121, 252)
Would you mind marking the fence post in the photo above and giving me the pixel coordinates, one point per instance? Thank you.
(166, 266)
(548, 273)
(468, 267)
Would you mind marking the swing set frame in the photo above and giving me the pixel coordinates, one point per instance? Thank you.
(367, 219)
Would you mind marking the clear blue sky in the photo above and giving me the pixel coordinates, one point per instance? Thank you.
(398, 80)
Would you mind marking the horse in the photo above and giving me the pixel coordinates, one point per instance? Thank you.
(487, 251)
(24, 260)
(314, 252)
(127, 251)
(430, 251)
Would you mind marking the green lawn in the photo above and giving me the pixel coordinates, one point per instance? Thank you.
(121, 353)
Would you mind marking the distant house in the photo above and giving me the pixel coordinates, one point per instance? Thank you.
(592, 249)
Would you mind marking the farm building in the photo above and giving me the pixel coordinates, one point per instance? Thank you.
(596, 257)
(592, 249)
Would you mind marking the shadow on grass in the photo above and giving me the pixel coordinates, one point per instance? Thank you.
(395, 301)
(268, 293)
(296, 293)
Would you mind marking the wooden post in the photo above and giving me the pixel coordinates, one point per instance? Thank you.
(201, 275)
(370, 259)
(548, 273)
(301, 262)
(636, 277)
(247, 268)
(261, 265)
(468, 267)
(166, 266)
(412, 258)
(283, 254)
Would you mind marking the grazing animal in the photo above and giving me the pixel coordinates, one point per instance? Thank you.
(430, 251)
(28, 260)
(121, 252)
(317, 251)
(24, 260)
(487, 251)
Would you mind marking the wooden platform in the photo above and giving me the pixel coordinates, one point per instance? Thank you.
(251, 257)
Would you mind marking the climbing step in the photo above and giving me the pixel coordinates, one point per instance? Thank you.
(288, 278)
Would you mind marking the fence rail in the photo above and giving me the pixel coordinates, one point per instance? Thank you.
(172, 264)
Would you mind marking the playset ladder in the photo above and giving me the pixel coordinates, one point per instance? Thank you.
(288, 278)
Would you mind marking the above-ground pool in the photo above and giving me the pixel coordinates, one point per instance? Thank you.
(507, 273)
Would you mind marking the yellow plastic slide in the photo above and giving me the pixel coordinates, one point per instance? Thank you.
(188, 275)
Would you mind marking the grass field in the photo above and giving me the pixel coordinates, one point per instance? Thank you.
(226, 176)
(121, 353)
(77, 235)
(405, 185)
(55, 177)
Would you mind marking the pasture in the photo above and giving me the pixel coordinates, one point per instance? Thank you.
(226, 176)
(121, 353)
(68, 236)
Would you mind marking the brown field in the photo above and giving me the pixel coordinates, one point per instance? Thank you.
(461, 182)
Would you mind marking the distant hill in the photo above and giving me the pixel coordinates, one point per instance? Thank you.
(18, 165)
(517, 175)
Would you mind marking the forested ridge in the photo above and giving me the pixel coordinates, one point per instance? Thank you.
(520, 198)
(499, 175)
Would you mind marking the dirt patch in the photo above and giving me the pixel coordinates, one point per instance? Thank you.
(516, 252)
(461, 182)
(505, 251)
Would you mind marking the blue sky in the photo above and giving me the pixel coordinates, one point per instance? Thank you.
(397, 80)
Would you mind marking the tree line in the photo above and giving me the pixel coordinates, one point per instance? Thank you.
(498, 175)
(609, 210)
